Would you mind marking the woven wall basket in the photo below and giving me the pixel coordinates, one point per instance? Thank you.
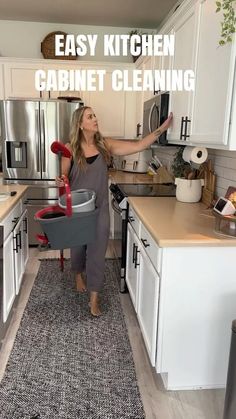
(48, 47)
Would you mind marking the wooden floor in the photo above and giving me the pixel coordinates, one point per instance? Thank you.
(158, 403)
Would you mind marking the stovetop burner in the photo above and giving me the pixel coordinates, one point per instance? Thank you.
(121, 191)
(147, 189)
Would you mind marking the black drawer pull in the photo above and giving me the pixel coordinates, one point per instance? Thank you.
(25, 229)
(136, 256)
(133, 257)
(131, 219)
(144, 241)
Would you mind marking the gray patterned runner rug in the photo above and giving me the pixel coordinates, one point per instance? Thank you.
(65, 363)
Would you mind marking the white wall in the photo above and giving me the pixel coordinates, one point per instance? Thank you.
(23, 39)
(224, 163)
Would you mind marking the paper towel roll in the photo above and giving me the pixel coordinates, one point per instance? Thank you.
(195, 154)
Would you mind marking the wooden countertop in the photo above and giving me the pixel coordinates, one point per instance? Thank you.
(7, 205)
(177, 224)
(118, 176)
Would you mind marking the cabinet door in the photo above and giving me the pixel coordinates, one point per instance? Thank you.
(54, 94)
(139, 108)
(20, 80)
(148, 304)
(8, 276)
(25, 239)
(132, 265)
(2, 93)
(184, 55)
(109, 106)
(214, 80)
(18, 254)
(148, 65)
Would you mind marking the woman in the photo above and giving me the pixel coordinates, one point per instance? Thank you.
(87, 168)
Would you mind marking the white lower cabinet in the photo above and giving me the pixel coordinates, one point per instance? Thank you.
(20, 243)
(143, 284)
(184, 298)
(8, 277)
(132, 267)
(148, 296)
(15, 255)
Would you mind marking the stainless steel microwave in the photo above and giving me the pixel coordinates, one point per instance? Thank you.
(155, 112)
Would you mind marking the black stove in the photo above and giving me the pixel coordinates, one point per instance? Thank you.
(121, 191)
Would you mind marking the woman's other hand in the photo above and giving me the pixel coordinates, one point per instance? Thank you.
(60, 182)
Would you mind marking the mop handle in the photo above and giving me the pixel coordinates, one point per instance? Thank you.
(68, 196)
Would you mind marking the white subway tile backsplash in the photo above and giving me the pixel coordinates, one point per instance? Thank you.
(224, 164)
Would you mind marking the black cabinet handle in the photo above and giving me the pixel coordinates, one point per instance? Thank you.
(15, 219)
(136, 256)
(144, 241)
(15, 243)
(186, 127)
(19, 235)
(138, 133)
(181, 128)
(25, 228)
(133, 257)
(131, 219)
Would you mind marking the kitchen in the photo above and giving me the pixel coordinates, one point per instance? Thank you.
(223, 158)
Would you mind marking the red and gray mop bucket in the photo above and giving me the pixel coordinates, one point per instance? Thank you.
(71, 223)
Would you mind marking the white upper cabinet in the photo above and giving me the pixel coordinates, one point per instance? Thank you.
(115, 109)
(109, 106)
(20, 80)
(204, 116)
(214, 80)
(2, 94)
(184, 55)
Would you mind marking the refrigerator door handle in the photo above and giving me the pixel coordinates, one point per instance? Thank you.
(42, 117)
(37, 140)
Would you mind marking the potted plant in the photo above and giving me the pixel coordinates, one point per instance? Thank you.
(136, 32)
(188, 183)
(229, 20)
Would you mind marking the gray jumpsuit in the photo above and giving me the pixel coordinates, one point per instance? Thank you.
(92, 256)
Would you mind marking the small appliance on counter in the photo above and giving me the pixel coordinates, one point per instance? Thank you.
(225, 214)
(137, 162)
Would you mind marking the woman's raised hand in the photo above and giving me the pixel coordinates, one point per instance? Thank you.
(163, 127)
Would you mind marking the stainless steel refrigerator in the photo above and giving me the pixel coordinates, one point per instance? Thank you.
(27, 130)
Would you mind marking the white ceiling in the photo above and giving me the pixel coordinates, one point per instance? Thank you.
(119, 13)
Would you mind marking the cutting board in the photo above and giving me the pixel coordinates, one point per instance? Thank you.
(208, 192)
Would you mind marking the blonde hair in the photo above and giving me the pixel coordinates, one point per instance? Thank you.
(76, 138)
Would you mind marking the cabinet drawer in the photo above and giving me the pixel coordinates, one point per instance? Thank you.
(134, 221)
(151, 247)
(8, 221)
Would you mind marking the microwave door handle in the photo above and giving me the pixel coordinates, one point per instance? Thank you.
(43, 141)
(153, 109)
(150, 118)
(37, 140)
